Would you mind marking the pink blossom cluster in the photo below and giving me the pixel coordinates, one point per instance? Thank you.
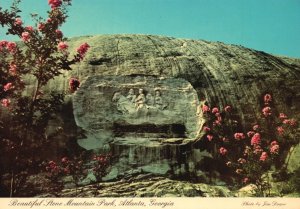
(215, 110)
(74, 84)
(239, 136)
(264, 156)
(62, 46)
(54, 3)
(52, 167)
(209, 137)
(25, 37)
(29, 28)
(282, 116)
(223, 151)
(274, 148)
(5, 102)
(250, 133)
(267, 98)
(280, 130)
(82, 50)
(18, 21)
(205, 109)
(246, 180)
(101, 158)
(41, 26)
(10, 46)
(256, 139)
(59, 34)
(267, 111)
(7, 86)
(206, 129)
(291, 122)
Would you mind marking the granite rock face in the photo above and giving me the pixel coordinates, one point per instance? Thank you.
(148, 186)
(184, 71)
(221, 74)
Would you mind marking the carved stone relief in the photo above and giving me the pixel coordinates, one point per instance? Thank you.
(136, 107)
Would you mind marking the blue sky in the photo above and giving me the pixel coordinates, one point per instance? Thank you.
(272, 26)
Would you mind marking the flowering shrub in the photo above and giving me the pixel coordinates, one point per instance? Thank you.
(76, 168)
(42, 54)
(66, 166)
(249, 156)
(100, 164)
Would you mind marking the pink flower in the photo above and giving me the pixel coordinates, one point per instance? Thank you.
(256, 139)
(250, 133)
(18, 21)
(241, 160)
(267, 98)
(215, 110)
(291, 122)
(49, 20)
(267, 111)
(11, 47)
(282, 116)
(52, 163)
(217, 123)
(255, 127)
(205, 109)
(245, 180)
(280, 130)
(209, 137)
(29, 28)
(223, 151)
(7, 86)
(264, 156)
(74, 84)
(3, 45)
(286, 121)
(82, 49)
(5, 102)
(239, 136)
(274, 143)
(206, 129)
(12, 69)
(54, 3)
(227, 108)
(41, 26)
(25, 37)
(62, 46)
(59, 33)
(274, 149)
